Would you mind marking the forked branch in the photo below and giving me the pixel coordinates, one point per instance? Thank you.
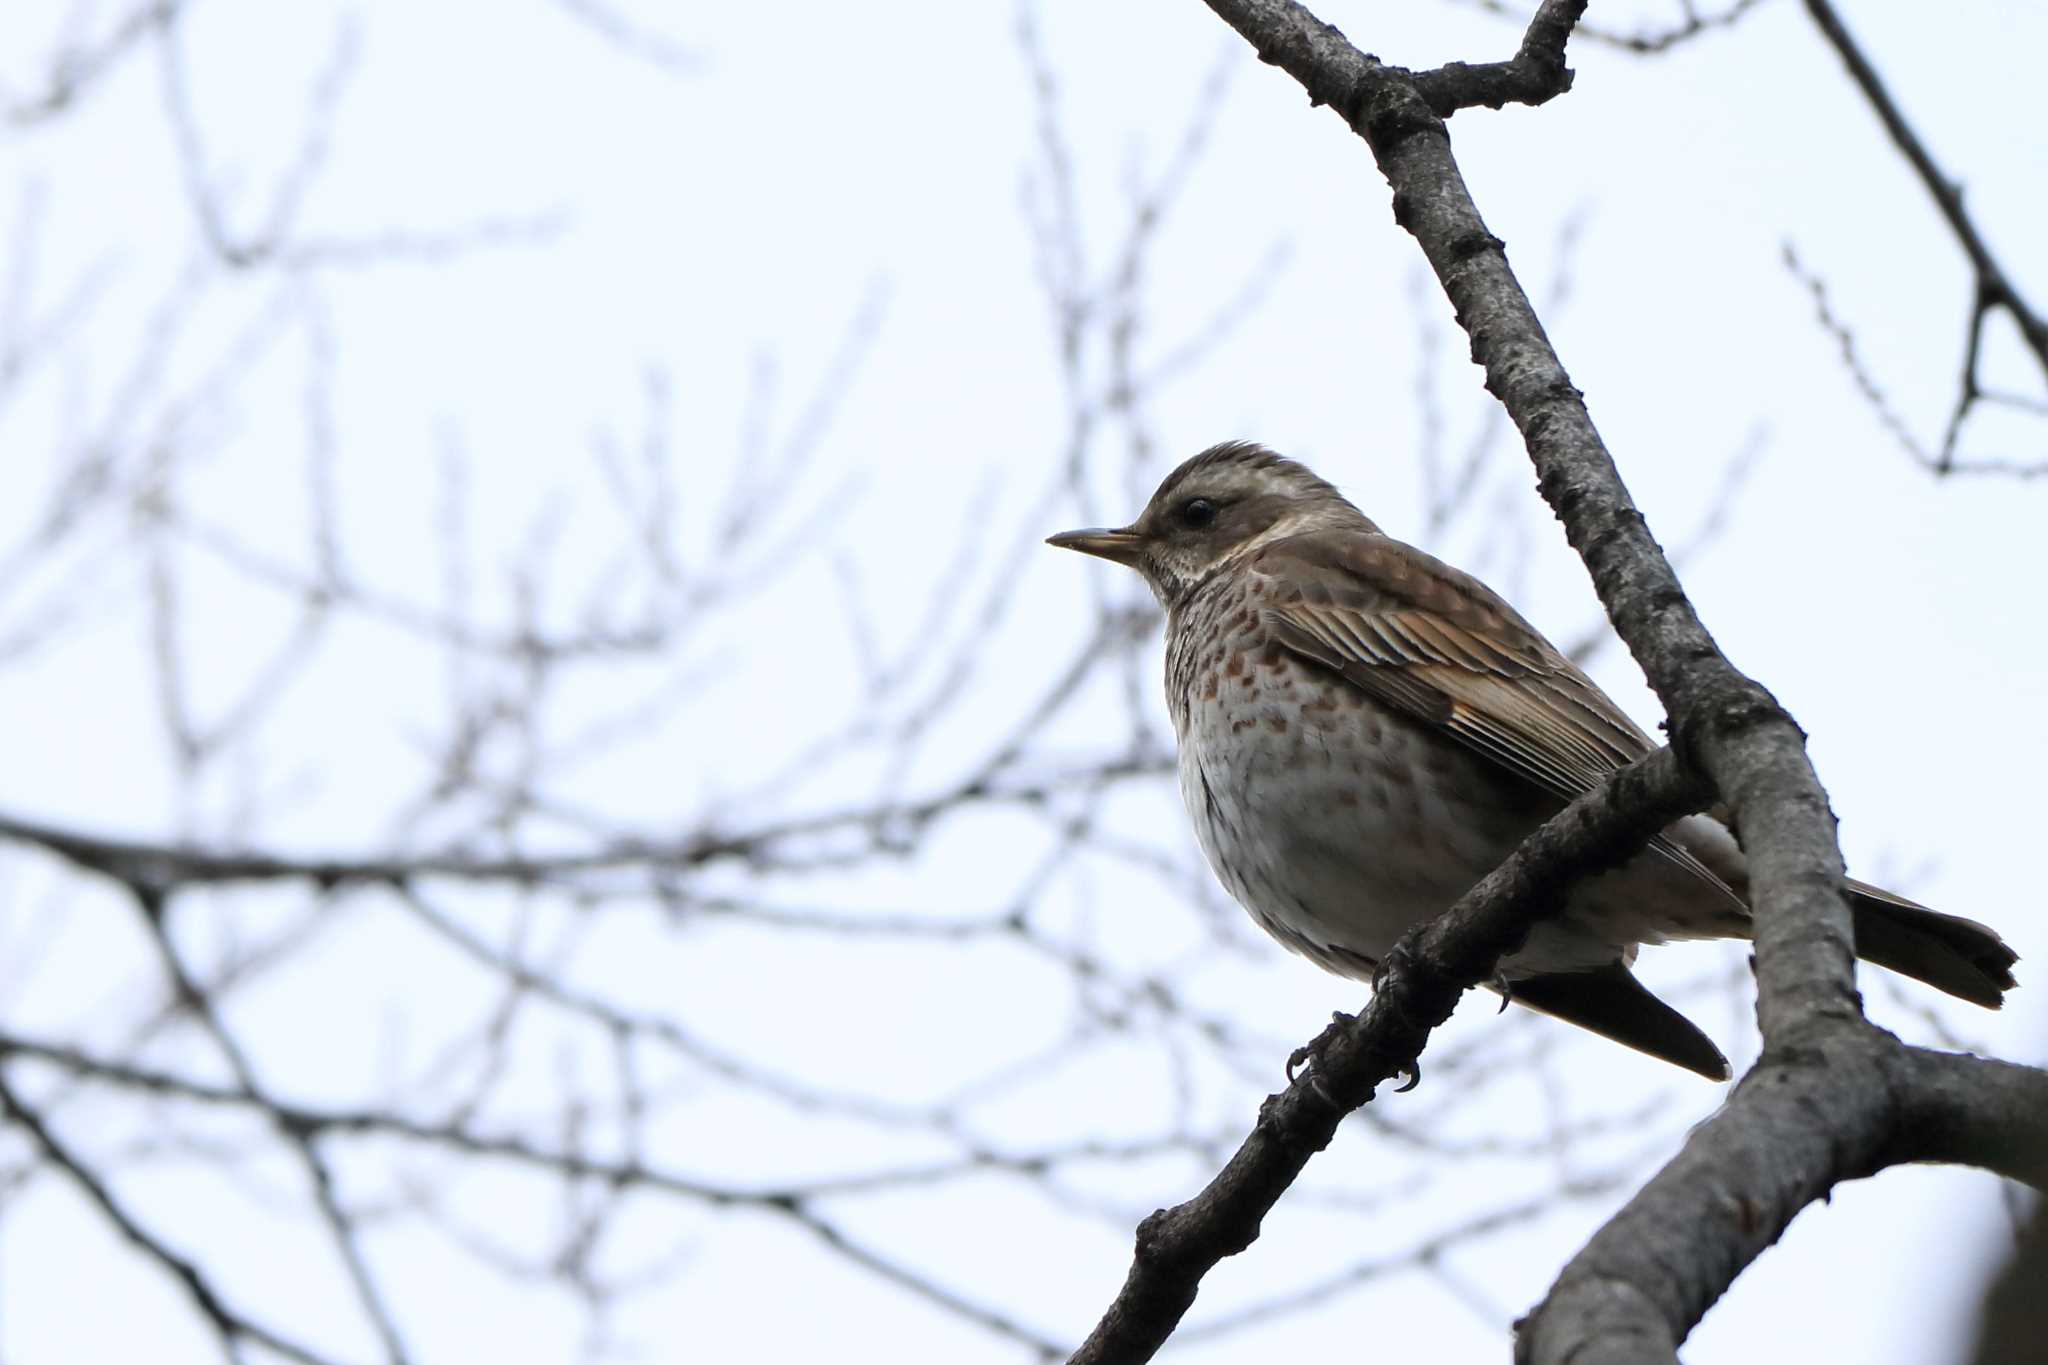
(1833, 1098)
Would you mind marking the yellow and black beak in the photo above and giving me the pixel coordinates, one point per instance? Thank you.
(1123, 544)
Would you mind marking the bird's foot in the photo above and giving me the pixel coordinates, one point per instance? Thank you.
(1308, 1052)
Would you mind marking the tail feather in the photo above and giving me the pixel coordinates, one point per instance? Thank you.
(1948, 952)
(1612, 1003)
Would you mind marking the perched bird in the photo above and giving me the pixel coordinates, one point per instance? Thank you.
(1365, 732)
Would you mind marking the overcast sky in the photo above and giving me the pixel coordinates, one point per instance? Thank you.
(791, 184)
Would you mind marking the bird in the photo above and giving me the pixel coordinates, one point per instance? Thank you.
(1364, 732)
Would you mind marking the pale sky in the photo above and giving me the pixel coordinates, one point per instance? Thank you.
(808, 172)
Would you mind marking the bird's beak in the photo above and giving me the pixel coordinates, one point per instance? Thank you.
(1122, 544)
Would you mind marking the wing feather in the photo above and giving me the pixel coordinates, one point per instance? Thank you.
(1441, 647)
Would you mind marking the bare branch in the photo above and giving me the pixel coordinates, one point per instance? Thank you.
(675, 57)
(77, 66)
(1636, 1289)
(1992, 285)
(1643, 42)
(1432, 966)
(1739, 737)
(1975, 1111)
(229, 1324)
(1535, 75)
(1941, 461)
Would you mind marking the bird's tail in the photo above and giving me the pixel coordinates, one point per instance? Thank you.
(1948, 952)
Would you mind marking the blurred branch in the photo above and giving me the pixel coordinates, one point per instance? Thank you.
(276, 239)
(1992, 280)
(2014, 1320)
(796, 1202)
(1707, 531)
(165, 868)
(1941, 461)
(1692, 23)
(648, 44)
(79, 64)
(231, 1326)
(1992, 285)
(320, 1178)
(204, 189)
(463, 1137)
(1427, 1253)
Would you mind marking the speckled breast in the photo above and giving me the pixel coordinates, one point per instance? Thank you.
(1336, 822)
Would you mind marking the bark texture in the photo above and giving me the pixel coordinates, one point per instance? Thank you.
(1833, 1098)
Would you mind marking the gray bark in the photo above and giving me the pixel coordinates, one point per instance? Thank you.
(1833, 1098)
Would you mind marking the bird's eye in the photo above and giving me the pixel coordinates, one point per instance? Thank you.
(1198, 512)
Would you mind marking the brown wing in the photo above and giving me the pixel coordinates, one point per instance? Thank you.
(1440, 646)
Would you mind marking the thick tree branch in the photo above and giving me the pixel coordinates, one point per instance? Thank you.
(1973, 1111)
(1842, 1107)
(1741, 737)
(1833, 1095)
(1536, 74)
(1431, 967)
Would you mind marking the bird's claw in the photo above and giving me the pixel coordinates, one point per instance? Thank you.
(1307, 1053)
(1315, 1083)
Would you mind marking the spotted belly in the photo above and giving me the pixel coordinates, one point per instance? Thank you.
(1339, 824)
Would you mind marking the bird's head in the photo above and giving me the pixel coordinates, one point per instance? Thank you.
(1219, 506)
